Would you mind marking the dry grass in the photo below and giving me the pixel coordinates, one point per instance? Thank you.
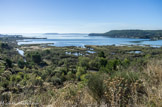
(121, 90)
(153, 82)
(141, 90)
(73, 95)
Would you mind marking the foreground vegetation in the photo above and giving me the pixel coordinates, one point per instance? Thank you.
(73, 76)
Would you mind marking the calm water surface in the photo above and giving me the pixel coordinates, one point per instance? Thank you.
(83, 39)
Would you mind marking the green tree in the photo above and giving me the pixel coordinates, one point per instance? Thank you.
(113, 64)
(21, 64)
(8, 63)
(102, 54)
(4, 46)
(36, 57)
(103, 62)
(80, 71)
(84, 62)
(94, 63)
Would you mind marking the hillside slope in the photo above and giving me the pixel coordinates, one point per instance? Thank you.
(144, 34)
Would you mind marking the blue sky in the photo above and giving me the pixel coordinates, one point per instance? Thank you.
(79, 16)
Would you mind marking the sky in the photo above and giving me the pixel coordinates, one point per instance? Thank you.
(78, 16)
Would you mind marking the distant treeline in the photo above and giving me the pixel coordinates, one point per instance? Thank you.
(144, 34)
(5, 35)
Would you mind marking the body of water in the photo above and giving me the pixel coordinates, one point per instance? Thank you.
(21, 52)
(83, 39)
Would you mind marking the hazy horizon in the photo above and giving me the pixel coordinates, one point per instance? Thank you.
(75, 32)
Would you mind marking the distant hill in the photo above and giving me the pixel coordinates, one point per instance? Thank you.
(65, 33)
(5, 35)
(72, 33)
(143, 34)
(50, 33)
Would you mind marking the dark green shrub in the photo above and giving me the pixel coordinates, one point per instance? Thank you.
(84, 62)
(80, 71)
(102, 54)
(96, 87)
(38, 73)
(44, 74)
(56, 81)
(8, 63)
(38, 81)
(18, 78)
(63, 70)
(21, 64)
(104, 70)
(70, 76)
(125, 63)
(36, 57)
(5, 84)
(94, 63)
(113, 64)
(5, 97)
(4, 46)
(85, 77)
(103, 62)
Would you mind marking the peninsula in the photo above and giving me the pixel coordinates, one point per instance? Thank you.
(142, 34)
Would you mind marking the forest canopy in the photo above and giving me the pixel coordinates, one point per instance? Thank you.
(143, 34)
